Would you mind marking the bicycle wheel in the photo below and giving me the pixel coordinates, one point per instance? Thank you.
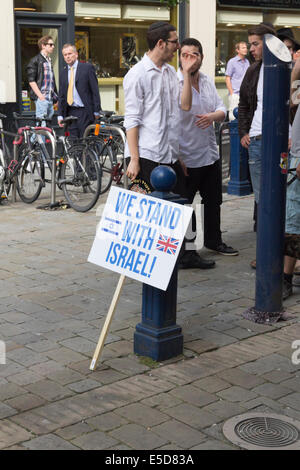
(105, 157)
(30, 179)
(81, 178)
(5, 182)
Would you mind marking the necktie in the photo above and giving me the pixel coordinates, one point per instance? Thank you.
(70, 98)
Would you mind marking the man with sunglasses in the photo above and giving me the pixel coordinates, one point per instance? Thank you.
(42, 80)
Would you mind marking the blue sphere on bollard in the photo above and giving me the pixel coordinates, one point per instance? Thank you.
(236, 112)
(163, 178)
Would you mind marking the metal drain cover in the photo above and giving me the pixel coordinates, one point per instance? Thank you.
(263, 431)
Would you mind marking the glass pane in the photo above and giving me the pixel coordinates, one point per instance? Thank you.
(29, 49)
(46, 6)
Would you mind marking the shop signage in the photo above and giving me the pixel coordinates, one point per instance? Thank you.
(140, 236)
(274, 4)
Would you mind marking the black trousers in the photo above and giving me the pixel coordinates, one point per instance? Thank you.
(77, 128)
(208, 181)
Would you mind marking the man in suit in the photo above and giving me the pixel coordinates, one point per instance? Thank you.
(78, 92)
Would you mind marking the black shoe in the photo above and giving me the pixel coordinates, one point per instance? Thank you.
(287, 290)
(192, 260)
(223, 249)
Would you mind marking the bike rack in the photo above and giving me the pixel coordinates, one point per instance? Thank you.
(105, 127)
(50, 136)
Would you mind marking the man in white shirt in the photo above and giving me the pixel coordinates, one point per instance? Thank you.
(199, 151)
(152, 104)
(152, 109)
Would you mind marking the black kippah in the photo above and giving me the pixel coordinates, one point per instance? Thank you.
(158, 24)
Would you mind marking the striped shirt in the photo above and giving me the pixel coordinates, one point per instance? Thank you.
(47, 88)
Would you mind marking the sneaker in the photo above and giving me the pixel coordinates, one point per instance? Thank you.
(287, 290)
(223, 249)
(192, 260)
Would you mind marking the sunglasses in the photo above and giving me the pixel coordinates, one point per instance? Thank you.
(50, 44)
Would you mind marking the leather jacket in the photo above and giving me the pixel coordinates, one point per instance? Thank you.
(248, 98)
(35, 73)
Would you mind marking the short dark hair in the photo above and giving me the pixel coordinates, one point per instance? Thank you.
(44, 41)
(191, 42)
(157, 31)
(262, 29)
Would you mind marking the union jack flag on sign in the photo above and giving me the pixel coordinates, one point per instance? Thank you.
(167, 244)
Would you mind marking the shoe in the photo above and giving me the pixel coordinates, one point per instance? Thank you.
(253, 264)
(297, 270)
(287, 290)
(223, 249)
(192, 260)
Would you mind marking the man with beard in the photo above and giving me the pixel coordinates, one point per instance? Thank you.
(199, 152)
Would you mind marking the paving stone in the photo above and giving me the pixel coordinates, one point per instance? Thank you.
(273, 391)
(239, 377)
(10, 390)
(25, 402)
(83, 385)
(179, 433)
(127, 366)
(107, 421)
(292, 384)
(42, 346)
(11, 434)
(211, 384)
(65, 356)
(26, 357)
(49, 442)
(95, 440)
(192, 416)
(65, 376)
(76, 430)
(25, 378)
(138, 437)
(277, 376)
(49, 390)
(237, 394)
(224, 409)
(5, 412)
(162, 401)
(292, 400)
(142, 414)
(268, 403)
(193, 395)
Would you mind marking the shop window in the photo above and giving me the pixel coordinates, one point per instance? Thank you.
(226, 41)
(45, 6)
(112, 51)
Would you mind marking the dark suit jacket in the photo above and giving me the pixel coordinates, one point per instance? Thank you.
(87, 86)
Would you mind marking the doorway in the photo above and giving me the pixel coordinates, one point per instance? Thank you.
(28, 32)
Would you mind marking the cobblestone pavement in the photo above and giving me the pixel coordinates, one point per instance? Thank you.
(52, 307)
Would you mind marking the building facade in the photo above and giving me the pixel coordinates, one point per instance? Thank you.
(111, 35)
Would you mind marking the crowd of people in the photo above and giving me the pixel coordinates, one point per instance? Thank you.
(169, 120)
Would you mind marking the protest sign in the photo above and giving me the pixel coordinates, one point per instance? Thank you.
(140, 236)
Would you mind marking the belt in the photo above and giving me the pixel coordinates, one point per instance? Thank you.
(256, 137)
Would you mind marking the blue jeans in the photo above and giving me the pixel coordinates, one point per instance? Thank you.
(255, 156)
(44, 109)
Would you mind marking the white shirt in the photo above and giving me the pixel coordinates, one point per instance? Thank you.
(198, 147)
(256, 125)
(152, 104)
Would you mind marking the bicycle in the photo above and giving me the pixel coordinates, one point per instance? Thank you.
(78, 173)
(109, 147)
(8, 166)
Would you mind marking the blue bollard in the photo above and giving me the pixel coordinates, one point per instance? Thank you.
(272, 199)
(239, 184)
(158, 336)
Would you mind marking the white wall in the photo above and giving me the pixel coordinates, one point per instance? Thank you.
(7, 55)
(203, 28)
